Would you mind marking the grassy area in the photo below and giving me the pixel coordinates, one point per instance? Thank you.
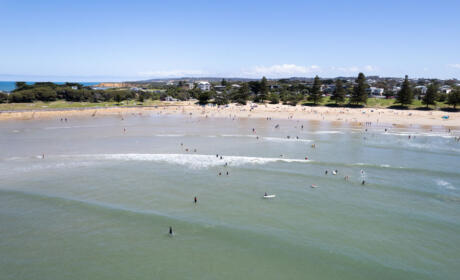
(61, 104)
(385, 103)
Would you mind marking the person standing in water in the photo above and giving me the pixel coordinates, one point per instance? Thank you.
(195, 200)
(171, 233)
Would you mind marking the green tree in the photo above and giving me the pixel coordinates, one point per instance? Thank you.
(405, 95)
(3, 97)
(339, 93)
(293, 99)
(45, 94)
(140, 97)
(118, 98)
(315, 94)
(454, 97)
(359, 94)
(223, 82)
(241, 96)
(262, 94)
(221, 98)
(431, 95)
(20, 85)
(203, 97)
(274, 98)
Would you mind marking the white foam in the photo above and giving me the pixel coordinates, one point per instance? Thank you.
(193, 161)
(282, 140)
(329, 132)
(170, 135)
(445, 184)
(239, 135)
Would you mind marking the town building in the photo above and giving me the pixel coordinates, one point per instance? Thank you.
(203, 85)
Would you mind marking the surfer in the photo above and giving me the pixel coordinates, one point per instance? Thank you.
(171, 233)
(195, 200)
(363, 182)
(325, 172)
(265, 194)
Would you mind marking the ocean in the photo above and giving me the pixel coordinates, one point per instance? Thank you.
(101, 201)
(8, 86)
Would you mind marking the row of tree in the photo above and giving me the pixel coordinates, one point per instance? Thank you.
(257, 91)
(69, 92)
(406, 95)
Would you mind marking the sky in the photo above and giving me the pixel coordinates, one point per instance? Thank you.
(91, 40)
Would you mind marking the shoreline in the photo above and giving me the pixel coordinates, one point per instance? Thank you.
(381, 116)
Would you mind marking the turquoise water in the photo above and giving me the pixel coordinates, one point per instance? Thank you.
(10, 86)
(100, 203)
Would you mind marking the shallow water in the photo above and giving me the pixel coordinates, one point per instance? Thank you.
(100, 203)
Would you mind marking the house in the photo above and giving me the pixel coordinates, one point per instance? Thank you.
(203, 85)
(219, 88)
(445, 89)
(236, 86)
(422, 89)
(375, 91)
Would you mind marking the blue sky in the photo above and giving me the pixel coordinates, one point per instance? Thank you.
(123, 40)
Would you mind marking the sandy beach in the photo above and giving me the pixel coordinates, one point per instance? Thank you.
(350, 115)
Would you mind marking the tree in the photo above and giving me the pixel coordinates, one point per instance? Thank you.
(221, 98)
(339, 92)
(20, 85)
(262, 94)
(405, 95)
(45, 94)
(274, 98)
(117, 97)
(223, 82)
(315, 95)
(242, 94)
(3, 97)
(454, 97)
(203, 97)
(359, 94)
(431, 95)
(140, 97)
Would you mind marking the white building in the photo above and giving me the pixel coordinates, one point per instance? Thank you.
(445, 89)
(190, 85)
(422, 89)
(375, 91)
(203, 85)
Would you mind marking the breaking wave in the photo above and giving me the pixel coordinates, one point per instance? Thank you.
(189, 160)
